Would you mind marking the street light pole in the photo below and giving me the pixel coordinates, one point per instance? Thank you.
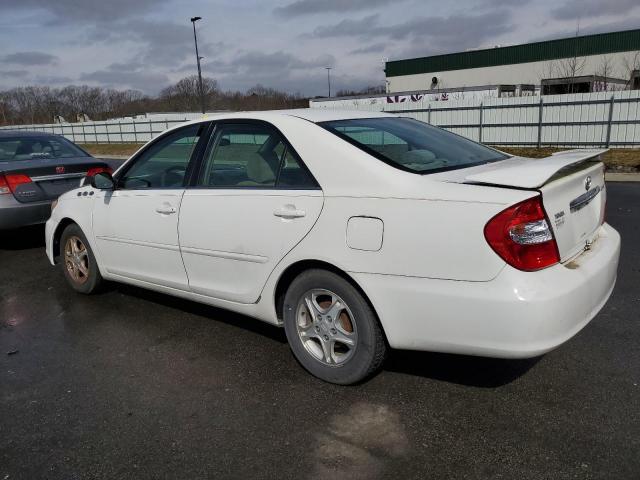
(329, 79)
(198, 57)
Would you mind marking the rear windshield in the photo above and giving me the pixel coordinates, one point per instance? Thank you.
(412, 145)
(27, 148)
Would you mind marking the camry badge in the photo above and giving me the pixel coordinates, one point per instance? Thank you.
(587, 183)
(59, 169)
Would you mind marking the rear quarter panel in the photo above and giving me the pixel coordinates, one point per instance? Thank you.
(422, 238)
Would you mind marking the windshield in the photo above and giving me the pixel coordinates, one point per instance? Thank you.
(27, 148)
(412, 145)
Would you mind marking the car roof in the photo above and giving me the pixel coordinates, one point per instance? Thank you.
(314, 115)
(23, 133)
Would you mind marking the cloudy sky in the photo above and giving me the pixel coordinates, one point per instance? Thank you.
(285, 44)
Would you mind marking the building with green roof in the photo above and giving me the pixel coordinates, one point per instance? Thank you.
(605, 55)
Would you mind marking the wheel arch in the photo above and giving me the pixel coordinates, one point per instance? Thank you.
(57, 235)
(296, 268)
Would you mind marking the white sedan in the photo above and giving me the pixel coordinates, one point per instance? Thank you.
(356, 231)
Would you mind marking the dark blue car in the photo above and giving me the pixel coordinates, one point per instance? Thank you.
(35, 168)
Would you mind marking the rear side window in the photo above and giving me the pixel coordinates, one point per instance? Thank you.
(252, 156)
(27, 148)
(412, 145)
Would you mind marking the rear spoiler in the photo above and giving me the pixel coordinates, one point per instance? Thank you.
(520, 172)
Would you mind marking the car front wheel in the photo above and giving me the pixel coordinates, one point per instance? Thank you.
(332, 330)
(78, 262)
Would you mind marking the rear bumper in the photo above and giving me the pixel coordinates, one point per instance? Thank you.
(516, 315)
(14, 214)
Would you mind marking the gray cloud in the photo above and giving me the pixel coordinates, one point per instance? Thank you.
(30, 58)
(159, 43)
(576, 9)
(70, 11)
(306, 7)
(277, 62)
(349, 28)
(279, 69)
(127, 75)
(629, 23)
(437, 34)
(148, 44)
(52, 80)
(375, 48)
(14, 73)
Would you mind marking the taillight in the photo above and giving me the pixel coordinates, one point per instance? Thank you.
(522, 237)
(9, 182)
(95, 170)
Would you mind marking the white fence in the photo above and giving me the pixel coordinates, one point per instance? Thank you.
(577, 120)
(126, 130)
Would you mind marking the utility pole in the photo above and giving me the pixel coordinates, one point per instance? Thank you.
(198, 57)
(328, 69)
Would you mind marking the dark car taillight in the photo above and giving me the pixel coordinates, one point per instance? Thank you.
(8, 183)
(522, 237)
(95, 170)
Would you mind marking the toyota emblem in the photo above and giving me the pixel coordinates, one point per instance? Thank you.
(587, 183)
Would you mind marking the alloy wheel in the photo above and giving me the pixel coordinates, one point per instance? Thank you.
(76, 259)
(326, 327)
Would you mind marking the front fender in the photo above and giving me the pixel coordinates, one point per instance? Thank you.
(76, 207)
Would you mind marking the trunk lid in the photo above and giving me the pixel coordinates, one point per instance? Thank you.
(572, 187)
(575, 201)
(50, 177)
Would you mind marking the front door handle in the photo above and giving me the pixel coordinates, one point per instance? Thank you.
(289, 212)
(166, 209)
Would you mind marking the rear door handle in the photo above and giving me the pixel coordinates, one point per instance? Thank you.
(166, 209)
(289, 212)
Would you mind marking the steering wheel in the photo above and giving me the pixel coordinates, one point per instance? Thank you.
(176, 171)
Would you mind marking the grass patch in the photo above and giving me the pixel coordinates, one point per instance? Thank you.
(97, 149)
(616, 159)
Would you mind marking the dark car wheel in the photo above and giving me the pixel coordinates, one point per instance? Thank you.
(332, 330)
(78, 262)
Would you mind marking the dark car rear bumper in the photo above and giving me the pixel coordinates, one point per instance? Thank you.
(14, 214)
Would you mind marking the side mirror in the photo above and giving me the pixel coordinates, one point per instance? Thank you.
(102, 181)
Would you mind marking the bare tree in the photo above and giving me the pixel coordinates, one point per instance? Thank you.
(631, 63)
(185, 95)
(570, 68)
(607, 70)
(549, 70)
(37, 104)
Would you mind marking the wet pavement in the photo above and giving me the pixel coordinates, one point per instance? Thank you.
(133, 384)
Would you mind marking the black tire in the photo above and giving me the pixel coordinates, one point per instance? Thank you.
(370, 347)
(84, 283)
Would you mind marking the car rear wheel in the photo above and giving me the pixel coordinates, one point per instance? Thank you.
(78, 262)
(332, 330)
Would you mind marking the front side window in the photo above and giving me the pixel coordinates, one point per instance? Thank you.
(27, 148)
(412, 145)
(164, 163)
(252, 156)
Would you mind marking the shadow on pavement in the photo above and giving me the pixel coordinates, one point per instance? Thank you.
(22, 238)
(461, 369)
(216, 314)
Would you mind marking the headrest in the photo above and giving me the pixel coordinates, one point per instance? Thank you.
(258, 170)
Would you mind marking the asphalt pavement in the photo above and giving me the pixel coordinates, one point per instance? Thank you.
(133, 384)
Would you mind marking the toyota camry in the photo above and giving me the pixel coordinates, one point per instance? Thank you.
(356, 231)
